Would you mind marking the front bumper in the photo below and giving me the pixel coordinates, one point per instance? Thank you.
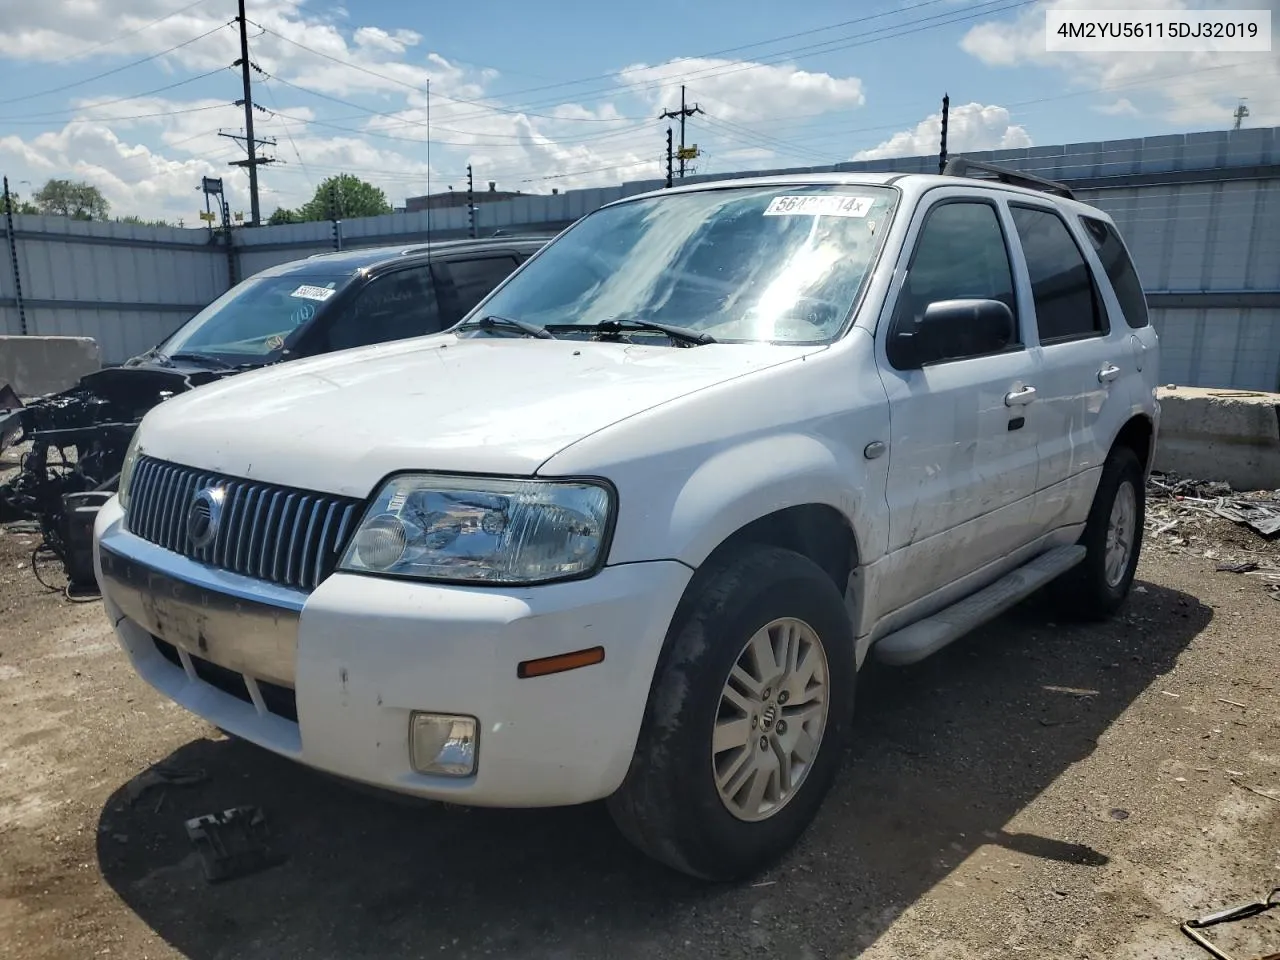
(330, 678)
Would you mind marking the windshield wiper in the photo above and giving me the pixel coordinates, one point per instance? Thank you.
(203, 358)
(531, 329)
(619, 324)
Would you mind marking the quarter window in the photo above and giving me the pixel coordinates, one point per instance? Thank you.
(1066, 299)
(1115, 261)
(960, 255)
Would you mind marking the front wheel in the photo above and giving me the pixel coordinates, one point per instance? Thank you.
(747, 718)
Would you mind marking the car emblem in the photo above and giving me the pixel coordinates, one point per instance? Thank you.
(204, 515)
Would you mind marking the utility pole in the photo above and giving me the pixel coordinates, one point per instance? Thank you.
(254, 161)
(668, 157)
(942, 155)
(684, 111)
(1241, 112)
(471, 206)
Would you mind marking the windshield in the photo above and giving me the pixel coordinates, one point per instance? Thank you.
(778, 263)
(252, 320)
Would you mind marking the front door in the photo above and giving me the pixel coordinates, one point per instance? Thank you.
(964, 430)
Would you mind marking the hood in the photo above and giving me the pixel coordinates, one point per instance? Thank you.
(341, 422)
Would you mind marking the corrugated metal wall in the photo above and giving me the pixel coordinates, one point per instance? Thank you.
(126, 286)
(1201, 213)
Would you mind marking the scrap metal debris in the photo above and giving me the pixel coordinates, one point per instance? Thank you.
(163, 775)
(233, 843)
(1185, 513)
(1192, 928)
(76, 441)
(1182, 497)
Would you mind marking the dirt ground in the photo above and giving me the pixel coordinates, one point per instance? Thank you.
(1038, 789)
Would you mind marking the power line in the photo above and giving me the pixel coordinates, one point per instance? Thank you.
(417, 89)
(136, 96)
(115, 70)
(842, 43)
(72, 121)
(292, 143)
(124, 36)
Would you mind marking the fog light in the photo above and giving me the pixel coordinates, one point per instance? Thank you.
(442, 744)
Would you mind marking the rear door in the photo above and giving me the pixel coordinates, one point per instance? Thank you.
(1085, 361)
(465, 281)
(963, 459)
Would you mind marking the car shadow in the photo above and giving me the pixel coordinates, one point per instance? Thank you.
(946, 754)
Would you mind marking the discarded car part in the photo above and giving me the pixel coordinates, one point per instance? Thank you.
(233, 843)
(1243, 911)
(10, 415)
(78, 513)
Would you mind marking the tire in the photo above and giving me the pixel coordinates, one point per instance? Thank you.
(1093, 590)
(669, 805)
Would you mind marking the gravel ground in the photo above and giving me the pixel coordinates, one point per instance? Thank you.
(1039, 789)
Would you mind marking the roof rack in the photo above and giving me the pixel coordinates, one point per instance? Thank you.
(964, 167)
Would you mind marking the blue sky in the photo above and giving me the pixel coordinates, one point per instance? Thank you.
(553, 94)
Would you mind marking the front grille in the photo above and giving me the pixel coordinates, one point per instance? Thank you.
(279, 534)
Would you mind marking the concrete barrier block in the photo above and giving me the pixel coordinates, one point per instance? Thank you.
(1230, 435)
(34, 366)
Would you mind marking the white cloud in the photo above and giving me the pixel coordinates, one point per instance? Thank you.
(1181, 88)
(1121, 108)
(132, 177)
(738, 93)
(375, 38)
(970, 127)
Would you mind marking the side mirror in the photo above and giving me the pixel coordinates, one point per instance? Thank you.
(955, 329)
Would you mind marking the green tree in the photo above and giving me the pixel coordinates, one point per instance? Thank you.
(142, 221)
(284, 215)
(80, 201)
(348, 196)
(20, 206)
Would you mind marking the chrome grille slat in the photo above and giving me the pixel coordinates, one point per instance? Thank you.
(286, 536)
(321, 548)
(295, 545)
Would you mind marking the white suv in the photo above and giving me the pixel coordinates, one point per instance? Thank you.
(632, 527)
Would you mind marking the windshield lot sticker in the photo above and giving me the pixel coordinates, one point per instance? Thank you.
(819, 206)
(308, 292)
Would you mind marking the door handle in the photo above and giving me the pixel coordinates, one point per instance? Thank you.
(1020, 397)
(1108, 373)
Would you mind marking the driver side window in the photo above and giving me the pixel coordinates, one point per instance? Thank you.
(960, 254)
(391, 307)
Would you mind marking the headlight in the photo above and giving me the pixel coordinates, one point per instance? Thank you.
(479, 530)
(131, 455)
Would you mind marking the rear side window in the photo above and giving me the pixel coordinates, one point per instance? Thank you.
(1067, 303)
(1124, 278)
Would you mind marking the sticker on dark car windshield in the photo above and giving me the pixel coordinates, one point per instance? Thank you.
(819, 205)
(308, 292)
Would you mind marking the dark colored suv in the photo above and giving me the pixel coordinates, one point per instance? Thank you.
(336, 301)
(328, 302)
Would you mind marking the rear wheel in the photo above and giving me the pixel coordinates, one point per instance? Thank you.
(1113, 540)
(747, 719)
